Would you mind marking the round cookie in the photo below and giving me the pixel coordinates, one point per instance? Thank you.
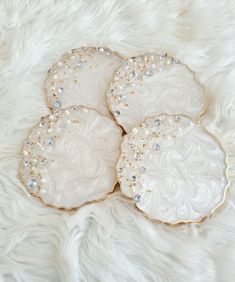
(149, 85)
(69, 81)
(69, 157)
(173, 169)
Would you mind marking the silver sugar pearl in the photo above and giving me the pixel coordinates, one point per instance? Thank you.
(156, 147)
(26, 163)
(137, 156)
(134, 130)
(133, 74)
(85, 110)
(27, 142)
(117, 113)
(101, 49)
(32, 183)
(143, 169)
(122, 98)
(43, 161)
(49, 141)
(119, 169)
(137, 198)
(169, 61)
(43, 191)
(25, 153)
(57, 104)
(43, 180)
(60, 90)
(133, 178)
(157, 122)
(149, 72)
(80, 64)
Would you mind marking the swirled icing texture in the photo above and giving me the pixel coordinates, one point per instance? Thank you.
(146, 86)
(69, 81)
(173, 168)
(69, 158)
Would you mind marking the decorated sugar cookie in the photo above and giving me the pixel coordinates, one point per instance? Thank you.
(69, 157)
(146, 86)
(81, 77)
(173, 169)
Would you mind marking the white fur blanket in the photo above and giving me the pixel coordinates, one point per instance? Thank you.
(110, 241)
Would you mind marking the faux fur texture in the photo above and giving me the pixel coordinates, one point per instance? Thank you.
(110, 241)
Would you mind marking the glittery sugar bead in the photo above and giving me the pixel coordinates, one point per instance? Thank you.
(69, 81)
(137, 198)
(117, 113)
(141, 78)
(156, 147)
(57, 104)
(174, 149)
(54, 156)
(32, 183)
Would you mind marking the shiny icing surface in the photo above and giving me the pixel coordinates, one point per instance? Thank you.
(146, 86)
(69, 157)
(69, 81)
(173, 169)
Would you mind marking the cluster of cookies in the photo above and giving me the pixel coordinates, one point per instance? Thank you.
(164, 160)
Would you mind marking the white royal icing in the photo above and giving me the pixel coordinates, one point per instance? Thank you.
(69, 158)
(173, 169)
(146, 86)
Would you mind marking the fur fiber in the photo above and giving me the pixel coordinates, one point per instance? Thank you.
(110, 241)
